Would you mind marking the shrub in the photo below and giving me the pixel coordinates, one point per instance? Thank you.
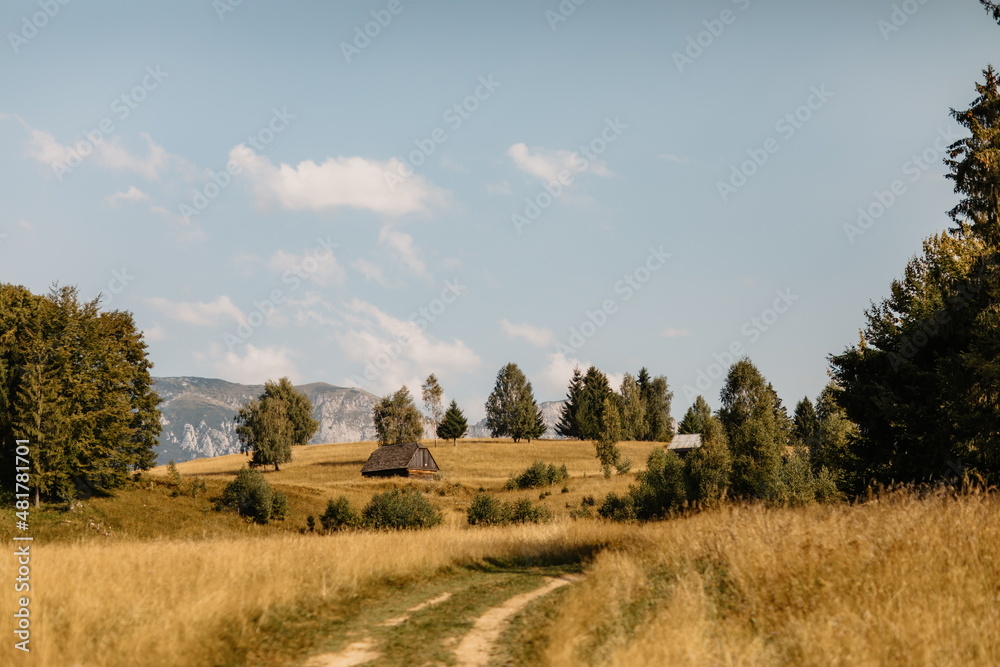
(662, 486)
(538, 474)
(250, 495)
(173, 479)
(617, 508)
(400, 509)
(198, 486)
(488, 510)
(311, 523)
(339, 515)
(279, 505)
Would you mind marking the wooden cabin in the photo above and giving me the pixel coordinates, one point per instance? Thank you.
(409, 459)
(684, 443)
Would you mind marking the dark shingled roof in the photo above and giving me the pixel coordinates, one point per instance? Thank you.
(393, 457)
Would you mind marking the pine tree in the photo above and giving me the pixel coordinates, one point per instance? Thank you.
(657, 408)
(806, 423)
(431, 394)
(453, 425)
(595, 392)
(835, 436)
(511, 409)
(696, 418)
(397, 419)
(633, 410)
(568, 425)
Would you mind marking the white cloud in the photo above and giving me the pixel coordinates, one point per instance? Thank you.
(557, 373)
(537, 336)
(154, 333)
(44, 148)
(322, 268)
(112, 153)
(676, 333)
(548, 164)
(370, 270)
(132, 194)
(404, 247)
(353, 182)
(255, 366)
(200, 314)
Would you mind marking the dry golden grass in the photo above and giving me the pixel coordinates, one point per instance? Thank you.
(182, 602)
(898, 582)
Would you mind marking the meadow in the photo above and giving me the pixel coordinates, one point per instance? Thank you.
(153, 578)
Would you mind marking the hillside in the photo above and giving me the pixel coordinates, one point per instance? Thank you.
(197, 415)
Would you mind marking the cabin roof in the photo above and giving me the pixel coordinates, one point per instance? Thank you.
(685, 442)
(394, 457)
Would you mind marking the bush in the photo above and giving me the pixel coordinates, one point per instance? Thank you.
(250, 495)
(279, 505)
(617, 508)
(198, 486)
(400, 509)
(538, 474)
(487, 510)
(339, 515)
(662, 486)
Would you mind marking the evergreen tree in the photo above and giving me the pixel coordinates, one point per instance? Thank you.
(594, 395)
(271, 424)
(568, 425)
(696, 418)
(709, 467)
(432, 393)
(397, 419)
(657, 409)
(453, 425)
(806, 423)
(835, 435)
(752, 418)
(993, 8)
(511, 409)
(75, 382)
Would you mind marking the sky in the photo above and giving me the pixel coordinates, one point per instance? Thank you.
(364, 193)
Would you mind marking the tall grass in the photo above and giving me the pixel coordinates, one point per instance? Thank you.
(903, 581)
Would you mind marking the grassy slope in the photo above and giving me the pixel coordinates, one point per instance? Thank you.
(167, 579)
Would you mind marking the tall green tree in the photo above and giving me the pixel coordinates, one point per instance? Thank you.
(805, 423)
(511, 409)
(432, 394)
(397, 419)
(832, 448)
(568, 425)
(271, 424)
(751, 415)
(453, 425)
(633, 410)
(923, 383)
(708, 468)
(656, 400)
(595, 393)
(75, 382)
(609, 433)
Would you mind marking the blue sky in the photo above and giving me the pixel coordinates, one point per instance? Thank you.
(272, 191)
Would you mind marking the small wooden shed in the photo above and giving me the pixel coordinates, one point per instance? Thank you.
(410, 459)
(685, 442)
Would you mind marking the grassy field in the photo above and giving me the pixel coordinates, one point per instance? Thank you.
(149, 578)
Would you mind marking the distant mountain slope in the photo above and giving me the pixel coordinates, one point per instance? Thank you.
(197, 415)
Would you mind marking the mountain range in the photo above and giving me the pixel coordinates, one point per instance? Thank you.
(197, 415)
